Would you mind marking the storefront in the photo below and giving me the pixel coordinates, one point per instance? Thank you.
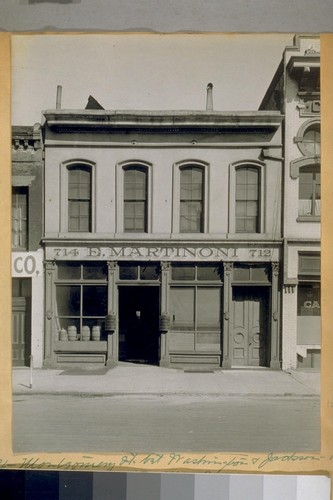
(174, 306)
(27, 308)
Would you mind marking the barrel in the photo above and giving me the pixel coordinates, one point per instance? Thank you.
(63, 334)
(110, 322)
(164, 322)
(96, 333)
(85, 333)
(72, 333)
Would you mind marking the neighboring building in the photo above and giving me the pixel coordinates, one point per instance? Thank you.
(295, 91)
(27, 255)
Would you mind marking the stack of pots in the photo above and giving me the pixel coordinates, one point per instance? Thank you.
(96, 333)
(85, 333)
(72, 333)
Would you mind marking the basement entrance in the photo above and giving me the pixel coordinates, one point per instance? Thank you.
(139, 324)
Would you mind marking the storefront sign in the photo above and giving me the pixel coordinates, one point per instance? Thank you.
(164, 253)
(27, 264)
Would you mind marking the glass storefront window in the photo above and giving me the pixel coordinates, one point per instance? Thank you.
(80, 303)
(308, 299)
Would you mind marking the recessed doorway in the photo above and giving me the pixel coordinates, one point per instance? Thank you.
(139, 324)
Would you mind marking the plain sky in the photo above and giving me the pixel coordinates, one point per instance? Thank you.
(142, 71)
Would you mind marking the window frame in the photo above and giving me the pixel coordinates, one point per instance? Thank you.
(80, 282)
(24, 191)
(233, 168)
(64, 195)
(177, 168)
(120, 180)
(314, 170)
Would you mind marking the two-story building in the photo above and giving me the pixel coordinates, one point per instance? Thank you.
(163, 235)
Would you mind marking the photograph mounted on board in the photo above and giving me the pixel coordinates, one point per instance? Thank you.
(166, 243)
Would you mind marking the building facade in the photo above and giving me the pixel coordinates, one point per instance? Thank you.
(295, 91)
(183, 238)
(27, 254)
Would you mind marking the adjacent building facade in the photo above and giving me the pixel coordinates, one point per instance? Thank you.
(186, 239)
(27, 255)
(295, 91)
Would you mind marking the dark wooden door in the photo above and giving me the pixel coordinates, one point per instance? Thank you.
(250, 327)
(21, 331)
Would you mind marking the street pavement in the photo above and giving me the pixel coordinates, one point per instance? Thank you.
(136, 379)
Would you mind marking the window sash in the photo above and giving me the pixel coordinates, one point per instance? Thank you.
(79, 199)
(247, 200)
(309, 194)
(191, 200)
(20, 219)
(135, 199)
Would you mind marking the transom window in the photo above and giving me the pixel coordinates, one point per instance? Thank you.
(309, 192)
(135, 199)
(20, 218)
(247, 200)
(79, 199)
(191, 200)
(143, 271)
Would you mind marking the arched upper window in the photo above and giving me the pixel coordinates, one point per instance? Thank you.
(135, 199)
(308, 139)
(191, 200)
(79, 198)
(247, 199)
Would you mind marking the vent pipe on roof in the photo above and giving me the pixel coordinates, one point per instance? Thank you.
(58, 101)
(209, 101)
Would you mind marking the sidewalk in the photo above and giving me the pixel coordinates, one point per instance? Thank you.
(130, 379)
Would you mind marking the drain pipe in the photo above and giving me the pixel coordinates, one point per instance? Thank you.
(58, 101)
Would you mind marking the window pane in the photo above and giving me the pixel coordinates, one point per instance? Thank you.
(208, 308)
(94, 271)
(260, 273)
(79, 216)
(68, 300)
(128, 272)
(182, 308)
(308, 299)
(135, 216)
(247, 200)
(94, 301)
(190, 216)
(20, 218)
(311, 140)
(149, 271)
(79, 184)
(241, 274)
(69, 270)
(135, 184)
(191, 182)
(208, 272)
(182, 272)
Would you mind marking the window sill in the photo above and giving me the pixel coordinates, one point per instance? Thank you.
(308, 218)
(80, 346)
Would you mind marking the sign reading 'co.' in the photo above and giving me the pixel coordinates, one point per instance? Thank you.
(26, 264)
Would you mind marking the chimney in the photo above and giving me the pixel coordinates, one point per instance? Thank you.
(209, 101)
(58, 101)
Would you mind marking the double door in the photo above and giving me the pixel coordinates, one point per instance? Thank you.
(250, 333)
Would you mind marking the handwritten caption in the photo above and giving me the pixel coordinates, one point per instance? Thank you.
(172, 460)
